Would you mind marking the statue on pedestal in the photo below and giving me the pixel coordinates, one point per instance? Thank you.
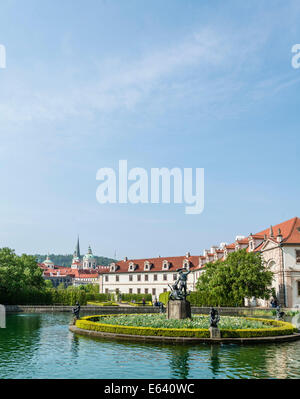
(279, 314)
(214, 318)
(76, 311)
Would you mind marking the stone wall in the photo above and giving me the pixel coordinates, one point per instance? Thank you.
(84, 309)
(125, 309)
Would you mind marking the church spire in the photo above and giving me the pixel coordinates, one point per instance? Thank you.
(77, 250)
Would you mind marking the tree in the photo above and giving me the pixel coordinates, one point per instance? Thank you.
(61, 286)
(18, 273)
(227, 283)
(48, 284)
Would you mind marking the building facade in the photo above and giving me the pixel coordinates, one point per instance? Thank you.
(278, 245)
(147, 276)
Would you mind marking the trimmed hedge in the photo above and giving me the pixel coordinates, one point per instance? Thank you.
(93, 323)
(164, 297)
(47, 296)
(136, 297)
(280, 328)
(102, 303)
(90, 323)
(99, 297)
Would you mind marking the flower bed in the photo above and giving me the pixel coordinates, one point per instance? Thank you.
(197, 327)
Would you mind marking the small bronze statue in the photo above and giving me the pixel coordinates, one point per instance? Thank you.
(214, 318)
(76, 311)
(279, 314)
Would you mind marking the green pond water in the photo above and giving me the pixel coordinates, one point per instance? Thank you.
(41, 346)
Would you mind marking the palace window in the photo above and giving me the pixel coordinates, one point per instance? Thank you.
(106, 278)
(106, 290)
(131, 267)
(165, 265)
(117, 278)
(174, 277)
(146, 290)
(130, 278)
(130, 290)
(138, 277)
(155, 277)
(165, 290)
(165, 277)
(138, 290)
(147, 265)
(153, 291)
(297, 256)
(146, 277)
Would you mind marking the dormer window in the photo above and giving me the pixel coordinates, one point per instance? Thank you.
(186, 264)
(112, 267)
(131, 267)
(147, 265)
(251, 245)
(165, 265)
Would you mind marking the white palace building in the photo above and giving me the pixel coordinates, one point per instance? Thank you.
(279, 246)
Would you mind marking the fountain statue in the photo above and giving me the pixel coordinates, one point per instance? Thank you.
(76, 311)
(178, 306)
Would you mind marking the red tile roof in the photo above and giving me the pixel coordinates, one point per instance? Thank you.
(175, 262)
(289, 231)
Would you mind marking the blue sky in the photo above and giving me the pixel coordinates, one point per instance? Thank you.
(200, 84)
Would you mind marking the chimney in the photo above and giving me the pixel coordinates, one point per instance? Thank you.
(213, 249)
(271, 231)
(125, 259)
(279, 236)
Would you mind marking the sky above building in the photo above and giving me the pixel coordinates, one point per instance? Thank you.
(187, 84)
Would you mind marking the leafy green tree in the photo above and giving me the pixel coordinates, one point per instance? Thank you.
(61, 286)
(48, 284)
(18, 273)
(90, 288)
(227, 283)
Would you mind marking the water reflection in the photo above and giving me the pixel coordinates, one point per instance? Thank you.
(215, 359)
(179, 362)
(75, 346)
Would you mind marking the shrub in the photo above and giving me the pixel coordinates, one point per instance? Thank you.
(136, 297)
(47, 296)
(99, 297)
(93, 323)
(164, 297)
(88, 323)
(103, 303)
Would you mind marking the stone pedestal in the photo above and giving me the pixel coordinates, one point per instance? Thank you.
(214, 333)
(178, 309)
